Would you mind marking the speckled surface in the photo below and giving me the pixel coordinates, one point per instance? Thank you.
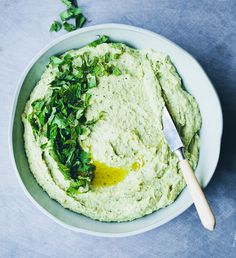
(207, 29)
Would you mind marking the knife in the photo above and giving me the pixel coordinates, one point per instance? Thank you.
(173, 139)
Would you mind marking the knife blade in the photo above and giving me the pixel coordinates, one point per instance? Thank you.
(170, 131)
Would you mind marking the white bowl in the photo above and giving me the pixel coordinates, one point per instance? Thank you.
(195, 81)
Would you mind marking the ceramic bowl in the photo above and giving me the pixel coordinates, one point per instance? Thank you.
(195, 81)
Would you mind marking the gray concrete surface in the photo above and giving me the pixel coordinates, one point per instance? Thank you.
(207, 29)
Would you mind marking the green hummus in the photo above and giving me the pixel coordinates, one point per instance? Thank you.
(135, 172)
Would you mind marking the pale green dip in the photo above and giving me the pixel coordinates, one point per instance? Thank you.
(130, 134)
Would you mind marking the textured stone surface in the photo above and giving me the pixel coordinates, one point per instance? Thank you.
(207, 29)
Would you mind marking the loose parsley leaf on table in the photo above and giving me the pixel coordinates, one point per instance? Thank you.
(80, 21)
(68, 3)
(72, 12)
(69, 27)
(56, 26)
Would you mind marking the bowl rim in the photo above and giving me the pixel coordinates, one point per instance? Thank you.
(13, 110)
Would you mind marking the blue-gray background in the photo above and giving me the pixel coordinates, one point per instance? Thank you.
(206, 29)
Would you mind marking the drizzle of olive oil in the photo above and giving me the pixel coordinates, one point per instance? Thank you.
(107, 176)
(136, 166)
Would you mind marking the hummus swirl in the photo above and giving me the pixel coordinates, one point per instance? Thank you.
(136, 173)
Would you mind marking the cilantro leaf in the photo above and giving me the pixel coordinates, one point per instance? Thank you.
(116, 71)
(94, 121)
(116, 56)
(68, 3)
(43, 146)
(79, 186)
(76, 11)
(100, 40)
(107, 57)
(91, 81)
(87, 99)
(66, 15)
(71, 12)
(56, 26)
(69, 27)
(55, 61)
(80, 20)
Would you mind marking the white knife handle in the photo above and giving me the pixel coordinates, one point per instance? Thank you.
(204, 211)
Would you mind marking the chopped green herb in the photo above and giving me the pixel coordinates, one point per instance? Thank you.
(72, 12)
(68, 3)
(98, 70)
(107, 57)
(66, 15)
(119, 46)
(55, 61)
(87, 99)
(79, 186)
(91, 81)
(61, 116)
(100, 40)
(56, 26)
(94, 121)
(76, 11)
(43, 146)
(69, 27)
(116, 56)
(80, 20)
(116, 71)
